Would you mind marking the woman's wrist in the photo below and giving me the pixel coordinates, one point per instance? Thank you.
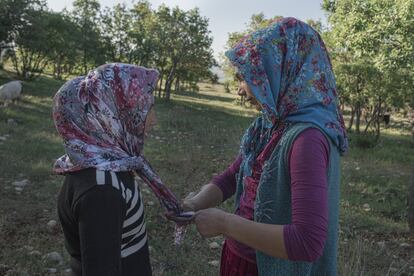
(209, 196)
(190, 205)
(225, 223)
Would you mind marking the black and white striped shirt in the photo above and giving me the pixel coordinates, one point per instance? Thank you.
(102, 216)
(134, 235)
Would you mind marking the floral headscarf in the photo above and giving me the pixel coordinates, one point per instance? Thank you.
(101, 119)
(289, 72)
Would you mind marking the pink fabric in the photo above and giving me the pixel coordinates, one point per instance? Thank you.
(226, 181)
(309, 160)
(234, 265)
(308, 163)
(248, 197)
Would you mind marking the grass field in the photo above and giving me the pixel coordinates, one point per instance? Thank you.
(197, 136)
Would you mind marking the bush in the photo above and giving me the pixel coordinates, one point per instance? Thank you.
(364, 141)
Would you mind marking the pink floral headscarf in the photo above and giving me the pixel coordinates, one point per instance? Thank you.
(101, 119)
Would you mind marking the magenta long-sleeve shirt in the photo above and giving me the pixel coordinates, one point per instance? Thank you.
(304, 238)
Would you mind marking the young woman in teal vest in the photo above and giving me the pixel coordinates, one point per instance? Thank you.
(286, 177)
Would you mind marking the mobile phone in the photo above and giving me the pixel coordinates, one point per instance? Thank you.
(184, 216)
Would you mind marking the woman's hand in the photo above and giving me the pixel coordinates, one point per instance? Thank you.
(188, 202)
(209, 196)
(211, 222)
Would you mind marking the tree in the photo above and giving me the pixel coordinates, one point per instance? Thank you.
(144, 35)
(185, 46)
(85, 15)
(32, 44)
(116, 28)
(62, 33)
(379, 35)
(13, 18)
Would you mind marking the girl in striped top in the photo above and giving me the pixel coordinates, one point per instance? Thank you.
(103, 119)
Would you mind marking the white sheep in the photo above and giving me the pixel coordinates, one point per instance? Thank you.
(10, 91)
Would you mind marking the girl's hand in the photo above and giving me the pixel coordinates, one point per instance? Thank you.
(181, 219)
(211, 222)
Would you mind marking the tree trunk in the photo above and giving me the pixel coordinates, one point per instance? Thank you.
(351, 121)
(378, 118)
(16, 64)
(85, 69)
(358, 118)
(177, 85)
(167, 91)
(160, 85)
(169, 81)
(411, 204)
(371, 119)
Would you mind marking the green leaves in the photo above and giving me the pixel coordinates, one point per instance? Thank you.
(372, 45)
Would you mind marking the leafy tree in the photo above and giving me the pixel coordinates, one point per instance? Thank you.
(13, 18)
(85, 15)
(144, 36)
(32, 44)
(379, 35)
(116, 28)
(186, 46)
(62, 34)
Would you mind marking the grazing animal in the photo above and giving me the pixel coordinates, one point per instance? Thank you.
(10, 91)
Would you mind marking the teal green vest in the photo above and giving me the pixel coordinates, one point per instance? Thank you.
(273, 206)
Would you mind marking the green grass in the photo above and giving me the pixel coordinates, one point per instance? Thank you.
(197, 136)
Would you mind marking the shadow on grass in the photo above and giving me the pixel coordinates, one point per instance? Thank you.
(202, 96)
(391, 148)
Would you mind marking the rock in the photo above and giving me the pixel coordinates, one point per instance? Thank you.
(18, 189)
(52, 225)
(52, 270)
(11, 122)
(214, 263)
(150, 203)
(35, 253)
(214, 245)
(23, 183)
(3, 138)
(405, 245)
(67, 272)
(366, 207)
(54, 257)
